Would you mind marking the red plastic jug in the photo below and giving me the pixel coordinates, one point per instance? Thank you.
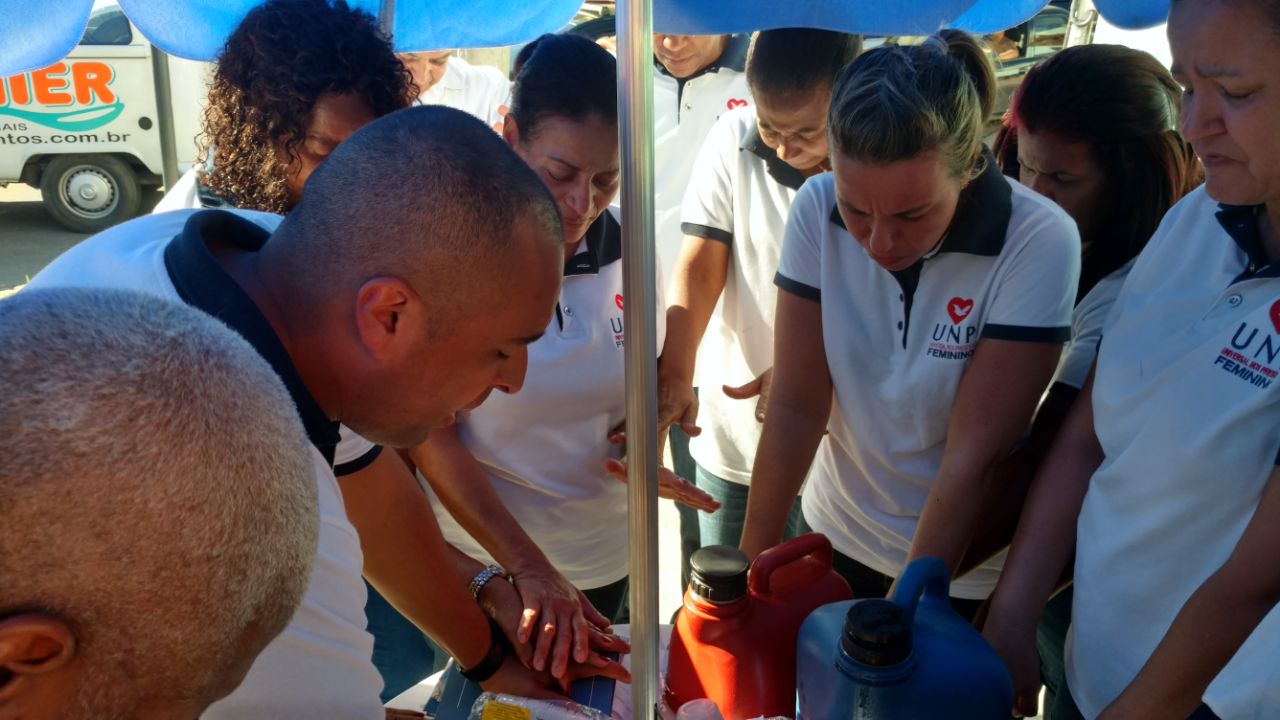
(735, 639)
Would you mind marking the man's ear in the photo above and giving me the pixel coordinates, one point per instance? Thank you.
(388, 311)
(32, 644)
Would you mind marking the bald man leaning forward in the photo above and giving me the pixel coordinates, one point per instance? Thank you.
(422, 259)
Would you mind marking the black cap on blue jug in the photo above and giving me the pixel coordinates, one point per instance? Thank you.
(877, 632)
(718, 573)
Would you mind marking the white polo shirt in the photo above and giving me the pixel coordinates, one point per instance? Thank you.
(897, 345)
(1186, 406)
(544, 447)
(739, 195)
(474, 89)
(1087, 322)
(683, 113)
(320, 665)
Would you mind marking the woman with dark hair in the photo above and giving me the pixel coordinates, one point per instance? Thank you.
(521, 480)
(924, 300)
(1163, 482)
(294, 79)
(1094, 129)
(749, 170)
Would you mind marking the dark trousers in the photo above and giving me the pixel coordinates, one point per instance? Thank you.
(868, 583)
(610, 600)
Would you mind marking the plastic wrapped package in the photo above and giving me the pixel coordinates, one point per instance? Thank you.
(498, 706)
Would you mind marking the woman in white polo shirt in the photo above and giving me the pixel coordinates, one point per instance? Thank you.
(532, 465)
(1164, 478)
(1093, 128)
(754, 161)
(924, 304)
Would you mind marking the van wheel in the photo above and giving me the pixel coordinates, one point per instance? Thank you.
(88, 193)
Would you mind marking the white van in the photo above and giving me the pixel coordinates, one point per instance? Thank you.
(85, 131)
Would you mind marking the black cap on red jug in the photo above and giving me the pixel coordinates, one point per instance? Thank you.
(877, 632)
(718, 573)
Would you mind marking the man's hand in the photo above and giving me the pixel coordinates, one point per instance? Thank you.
(1015, 641)
(559, 615)
(502, 602)
(670, 487)
(758, 388)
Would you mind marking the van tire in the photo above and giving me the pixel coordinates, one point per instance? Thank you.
(89, 193)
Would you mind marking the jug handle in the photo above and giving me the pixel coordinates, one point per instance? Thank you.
(815, 544)
(925, 575)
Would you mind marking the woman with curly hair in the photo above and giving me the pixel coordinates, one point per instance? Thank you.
(294, 80)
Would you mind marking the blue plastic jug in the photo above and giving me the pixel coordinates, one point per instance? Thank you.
(909, 658)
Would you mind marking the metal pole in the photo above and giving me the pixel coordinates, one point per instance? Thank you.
(635, 125)
(164, 117)
(387, 18)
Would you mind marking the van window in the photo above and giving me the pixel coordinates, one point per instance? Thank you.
(1048, 33)
(107, 26)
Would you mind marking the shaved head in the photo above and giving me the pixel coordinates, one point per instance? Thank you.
(157, 500)
(429, 195)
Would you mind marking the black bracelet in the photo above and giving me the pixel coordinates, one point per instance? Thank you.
(499, 648)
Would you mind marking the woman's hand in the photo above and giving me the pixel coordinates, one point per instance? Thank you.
(677, 404)
(670, 486)
(758, 388)
(1014, 639)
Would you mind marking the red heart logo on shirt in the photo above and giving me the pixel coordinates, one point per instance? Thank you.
(736, 103)
(959, 309)
(1275, 315)
(617, 300)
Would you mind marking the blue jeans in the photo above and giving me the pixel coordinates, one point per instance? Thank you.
(685, 468)
(1051, 635)
(401, 652)
(724, 526)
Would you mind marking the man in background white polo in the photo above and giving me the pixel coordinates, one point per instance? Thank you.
(443, 78)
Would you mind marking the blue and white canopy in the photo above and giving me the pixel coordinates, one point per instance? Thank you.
(37, 33)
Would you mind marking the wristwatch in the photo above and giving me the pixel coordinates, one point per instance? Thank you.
(499, 648)
(482, 578)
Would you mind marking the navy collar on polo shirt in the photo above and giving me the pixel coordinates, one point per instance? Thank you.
(202, 283)
(978, 228)
(604, 246)
(1242, 223)
(779, 170)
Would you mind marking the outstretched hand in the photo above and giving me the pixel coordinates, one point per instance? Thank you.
(670, 486)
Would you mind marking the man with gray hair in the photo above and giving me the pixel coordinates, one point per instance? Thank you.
(423, 258)
(157, 503)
